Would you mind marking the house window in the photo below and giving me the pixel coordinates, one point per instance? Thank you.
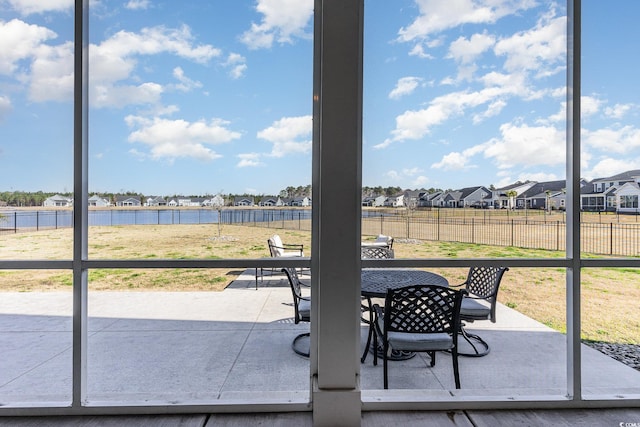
(629, 202)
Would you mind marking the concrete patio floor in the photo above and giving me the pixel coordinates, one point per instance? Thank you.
(212, 347)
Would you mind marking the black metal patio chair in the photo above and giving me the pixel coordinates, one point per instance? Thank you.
(482, 287)
(302, 308)
(371, 252)
(419, 318)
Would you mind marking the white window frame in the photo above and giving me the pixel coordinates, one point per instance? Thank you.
(337, 113)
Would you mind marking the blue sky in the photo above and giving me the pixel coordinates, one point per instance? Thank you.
(197, 97)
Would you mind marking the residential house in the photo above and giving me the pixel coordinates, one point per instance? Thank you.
(128, 201)
(540, 196)
(195, 202)
(466, 197)
(601, 193)
(374, 201)
(58, 201)
(627, 198)
(501, 199)
(429, 199)
(156, 201)
(301, 201)
(243, 201)
(412, 197)
(216, 201)
(98, 201)
(450, 199)
(395, 201)
(270, 201)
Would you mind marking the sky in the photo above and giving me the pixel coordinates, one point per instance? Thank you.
(199, 97)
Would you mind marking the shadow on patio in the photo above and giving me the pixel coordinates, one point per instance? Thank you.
(207, 347)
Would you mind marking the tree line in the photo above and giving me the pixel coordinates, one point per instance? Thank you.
(37, 198)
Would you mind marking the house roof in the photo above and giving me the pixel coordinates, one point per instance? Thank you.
(624, 176)
(512, 186)
(465, 192)
(543, 187)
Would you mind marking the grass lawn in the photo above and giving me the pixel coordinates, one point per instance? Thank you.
(609, 295)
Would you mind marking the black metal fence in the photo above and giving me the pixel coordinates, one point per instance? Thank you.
(609, 238)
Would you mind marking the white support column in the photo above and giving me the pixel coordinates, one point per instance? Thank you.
(574, 374)
(337, 165)
(81, 195)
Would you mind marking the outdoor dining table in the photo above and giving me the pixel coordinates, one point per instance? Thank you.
(376, 281)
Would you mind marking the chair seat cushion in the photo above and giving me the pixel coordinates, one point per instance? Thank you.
(420, 342)
(304, 310)
(290, 254)
(472, 309)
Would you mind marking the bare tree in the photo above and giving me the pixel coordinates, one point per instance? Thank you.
(217, 203)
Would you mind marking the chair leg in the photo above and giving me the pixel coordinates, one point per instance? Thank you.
(384, 364)
(370, 333)
(471, 339)
(294, 345)
(456, 372)
(375, 348)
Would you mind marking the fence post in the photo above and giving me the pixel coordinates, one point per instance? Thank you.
(381, 223)
(512, 231)
(15, 222)
(473, 230)
(610, 238)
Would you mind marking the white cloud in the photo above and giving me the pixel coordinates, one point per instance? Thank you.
(620, 141)
(452, 161)
(52, 73)
(519, 146)
(457, 160)
(393, 175)
(288, 135)
(536, 176)
(492, 110)
(5, 107)
(609, 166)
(154, 40)
(589, 106)
(114, 61)
(439, 15)
(541, 49)
(282, 20)
(524, 146)
(138, 4)
(186, 84)
(408, 175)
(617, 111)
(172, 139)
(405, 86)
(466, 50)
(237, 65)
(48, 69)
(249, 160)
(416, 124)
(27, 7)
(420, 181)
(20, 41)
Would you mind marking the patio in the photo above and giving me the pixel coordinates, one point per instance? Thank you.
(203, 347)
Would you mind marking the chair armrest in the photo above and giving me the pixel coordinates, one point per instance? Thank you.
(293, 246)
(458, 286)
(285, 247)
